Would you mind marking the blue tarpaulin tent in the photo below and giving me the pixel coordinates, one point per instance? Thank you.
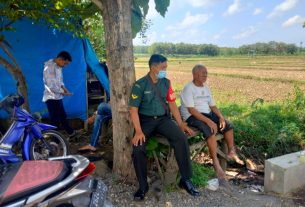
(32, 45)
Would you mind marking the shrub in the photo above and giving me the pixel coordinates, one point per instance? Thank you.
(264, 130)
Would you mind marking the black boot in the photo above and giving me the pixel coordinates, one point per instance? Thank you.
(189, 187)
(140, 194)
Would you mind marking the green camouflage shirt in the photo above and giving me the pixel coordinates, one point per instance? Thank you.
(144, 97)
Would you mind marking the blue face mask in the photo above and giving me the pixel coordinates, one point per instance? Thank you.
(161, 74)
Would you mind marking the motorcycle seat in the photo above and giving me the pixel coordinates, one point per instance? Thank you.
(24, 179)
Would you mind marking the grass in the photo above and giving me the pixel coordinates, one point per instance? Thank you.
(282, 80)
(238, 78)
(201, 175)
(265, 130)
(268, 62)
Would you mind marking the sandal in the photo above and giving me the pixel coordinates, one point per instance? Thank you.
(83, 151)
(86, 149)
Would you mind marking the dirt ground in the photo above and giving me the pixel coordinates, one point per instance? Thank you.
(245, 188)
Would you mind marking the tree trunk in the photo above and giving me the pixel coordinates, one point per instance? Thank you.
(18, 76)
(118, 35)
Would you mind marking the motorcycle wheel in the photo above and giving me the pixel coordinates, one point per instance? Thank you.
(54, 144)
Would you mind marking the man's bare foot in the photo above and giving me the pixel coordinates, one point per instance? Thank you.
(233, 156)
(220, 173)
(91, 119)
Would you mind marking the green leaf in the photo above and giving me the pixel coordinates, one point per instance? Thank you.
(136, 22)
(152, 144)
(143, 4)
(59, 5)
(161, 6)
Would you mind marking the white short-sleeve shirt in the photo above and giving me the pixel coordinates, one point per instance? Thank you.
(199, 97)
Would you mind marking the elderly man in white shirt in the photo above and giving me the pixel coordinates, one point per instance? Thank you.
(55, 90)
(199, 110)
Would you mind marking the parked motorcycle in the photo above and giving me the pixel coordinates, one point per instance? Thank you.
(57, 182)
(38, 140)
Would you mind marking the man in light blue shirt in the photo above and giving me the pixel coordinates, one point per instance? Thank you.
(55, 90)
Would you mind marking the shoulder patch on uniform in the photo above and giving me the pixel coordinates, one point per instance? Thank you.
(133, 96)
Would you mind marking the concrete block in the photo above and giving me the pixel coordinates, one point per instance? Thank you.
(284, 174)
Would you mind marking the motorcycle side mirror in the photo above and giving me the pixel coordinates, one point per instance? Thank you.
(18, 100)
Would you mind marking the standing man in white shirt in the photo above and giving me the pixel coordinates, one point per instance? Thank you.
(55, 90)
(199, 110)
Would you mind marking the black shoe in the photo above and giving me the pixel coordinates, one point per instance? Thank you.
(189, 187)
(140, 194)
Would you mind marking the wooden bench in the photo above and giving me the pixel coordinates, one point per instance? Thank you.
(168, 168)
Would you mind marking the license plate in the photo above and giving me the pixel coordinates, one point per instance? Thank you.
(99, 195)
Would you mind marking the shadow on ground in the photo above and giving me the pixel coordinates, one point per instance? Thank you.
(245, 187)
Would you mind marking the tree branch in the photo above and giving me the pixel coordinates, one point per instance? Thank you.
(6, 50)
(98, 3)
(18, 76)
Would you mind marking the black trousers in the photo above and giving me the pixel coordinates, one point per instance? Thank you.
(204, 128)
(167, 127)
(58, 115)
